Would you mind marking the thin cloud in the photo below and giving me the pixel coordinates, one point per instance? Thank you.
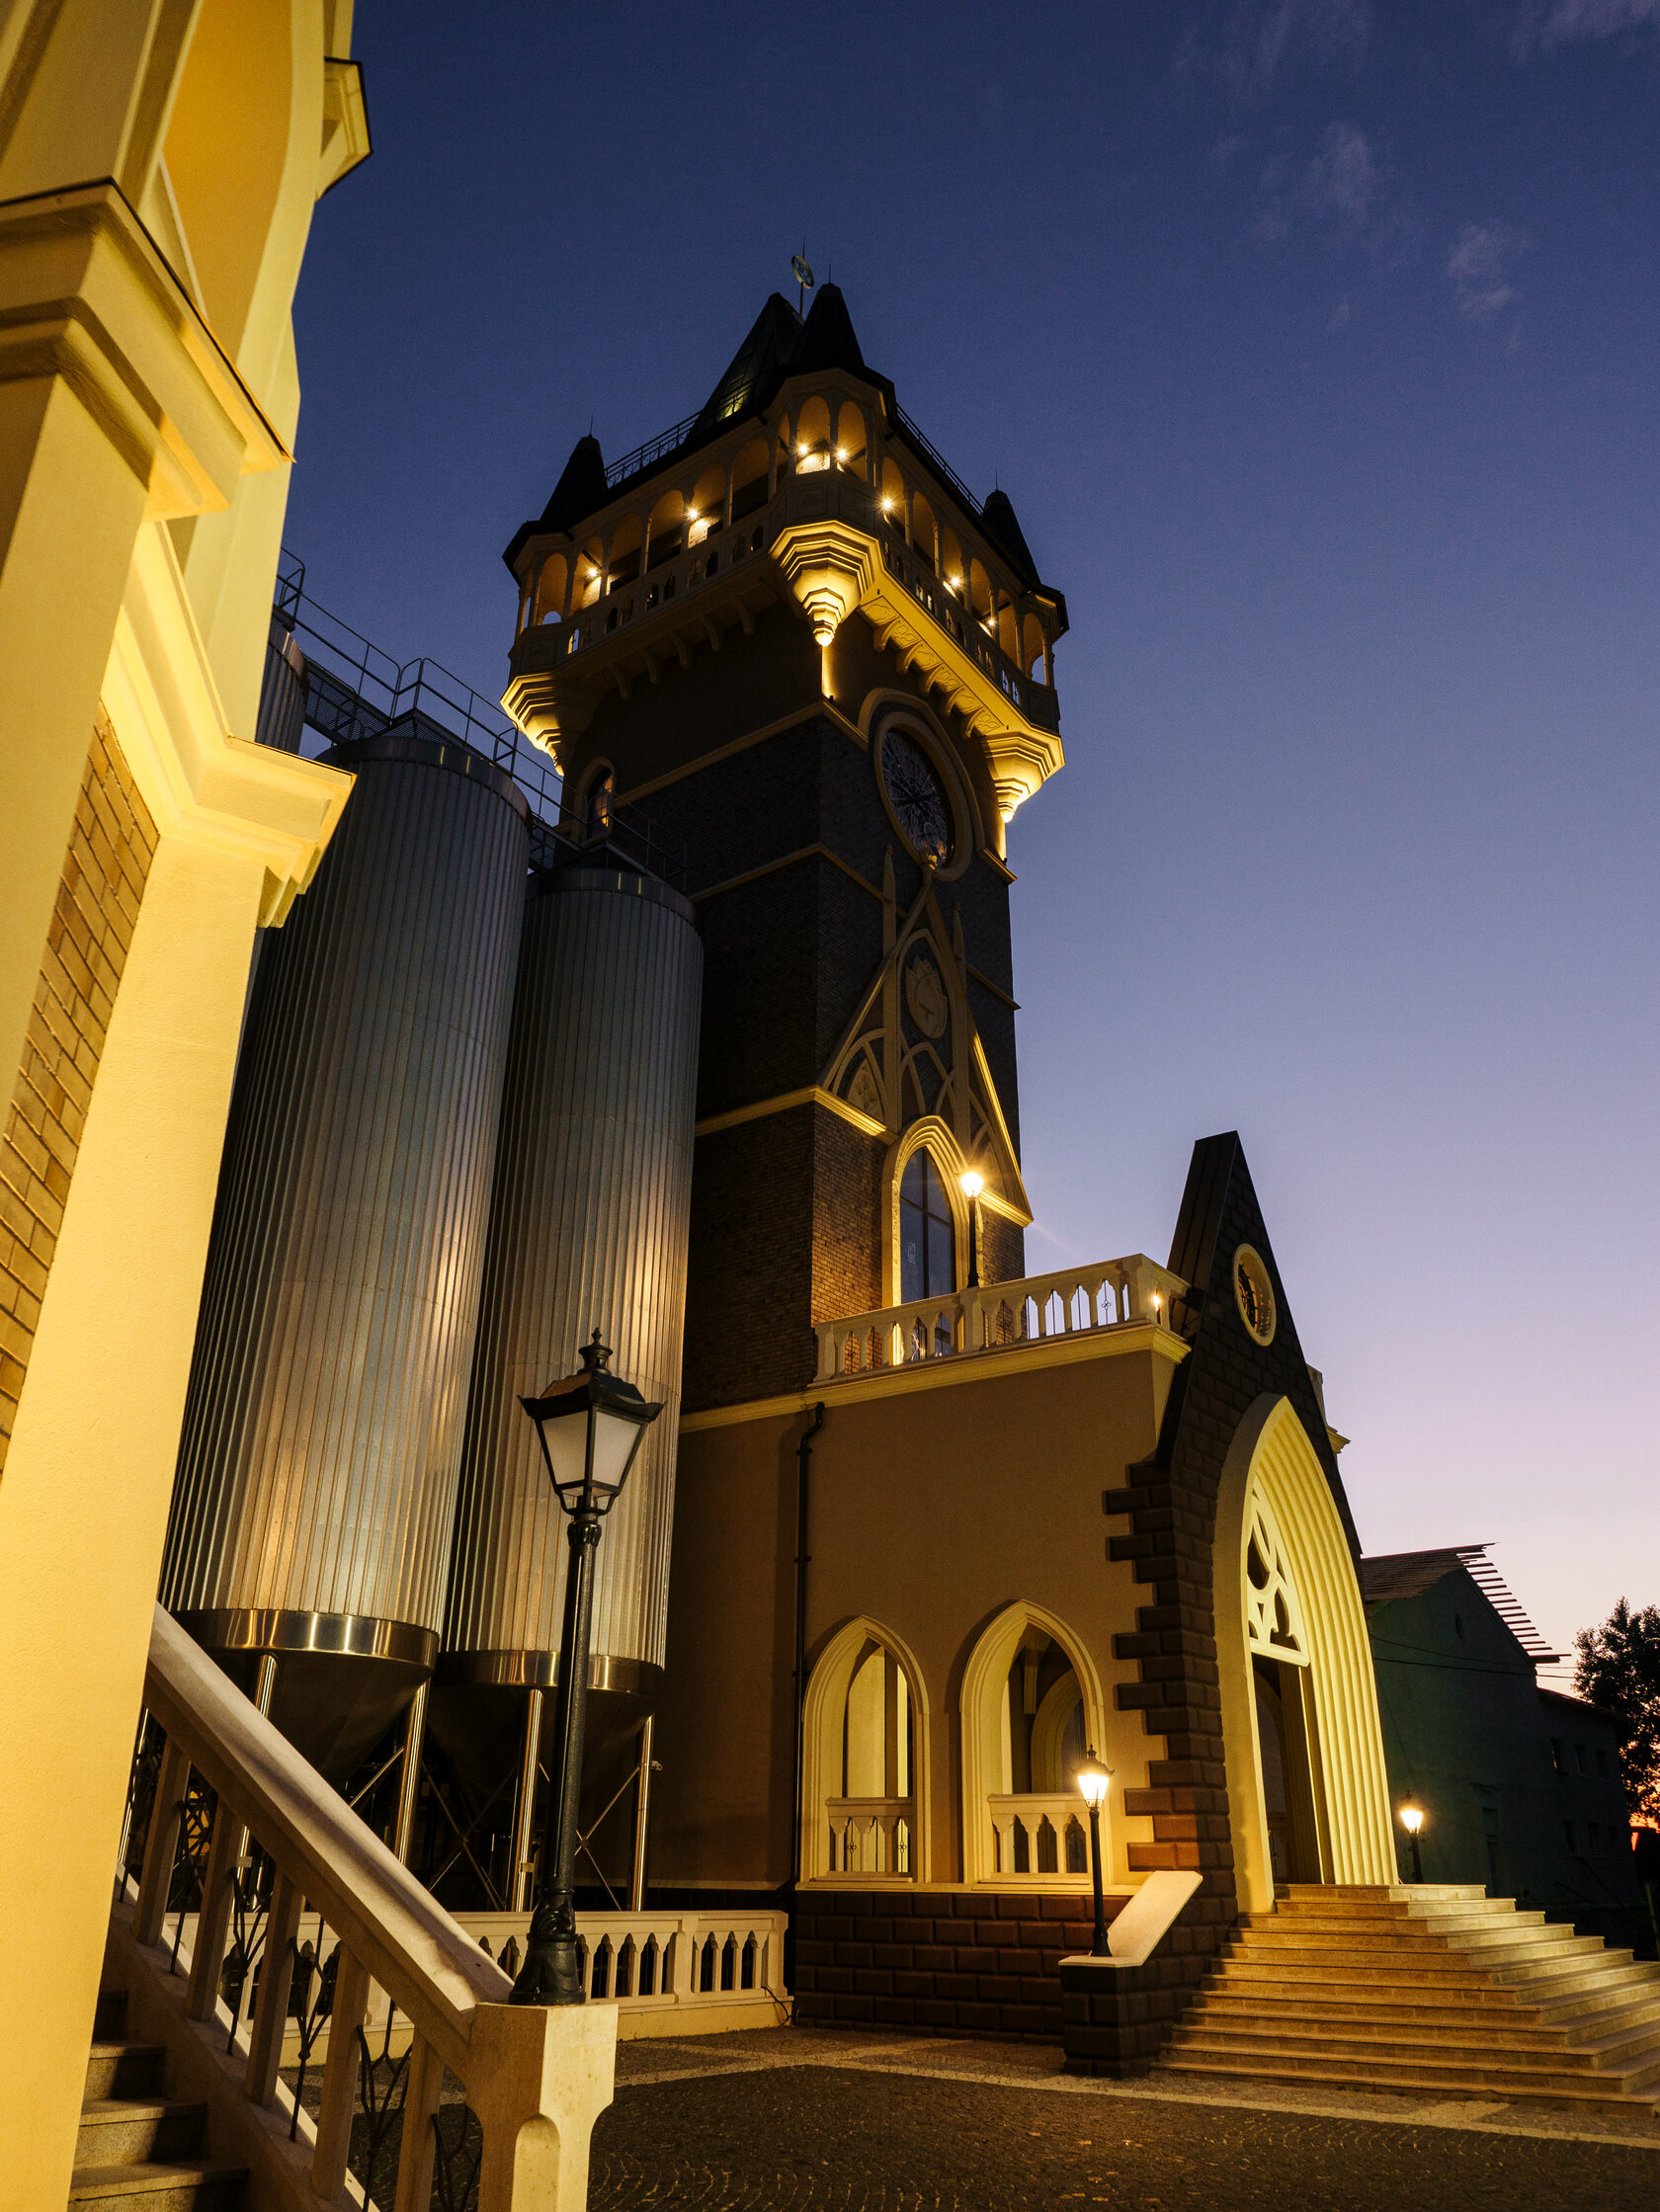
(1546, 24)
(1262, 41)
(1478, 269)
(1344, 179)
(1345, 192)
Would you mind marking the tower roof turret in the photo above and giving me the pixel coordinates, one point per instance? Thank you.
(581, 486)
(772, 344)
(997, 517)
(827, 338)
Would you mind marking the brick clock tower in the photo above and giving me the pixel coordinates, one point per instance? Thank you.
(790, 637)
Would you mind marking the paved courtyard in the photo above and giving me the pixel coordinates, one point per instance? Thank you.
(797, 2117)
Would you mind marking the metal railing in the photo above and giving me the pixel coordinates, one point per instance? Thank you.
(938, 461)
(353, 689)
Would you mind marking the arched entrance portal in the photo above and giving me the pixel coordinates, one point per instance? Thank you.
(1307, 1789)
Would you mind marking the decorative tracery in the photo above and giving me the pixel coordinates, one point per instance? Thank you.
(1274, 1624)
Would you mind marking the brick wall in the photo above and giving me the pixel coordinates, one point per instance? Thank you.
(941, 1962)
(1170, 1504)
(105, 869)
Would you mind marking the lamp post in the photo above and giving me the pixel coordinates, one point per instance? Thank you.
(589, 1428)
(1412, 1820)
(972, 1184)
(1093, 1778)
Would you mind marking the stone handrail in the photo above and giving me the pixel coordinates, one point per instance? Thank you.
(535, 2077)
(1063, 1810)
(856, 1819)
(1069, 1302)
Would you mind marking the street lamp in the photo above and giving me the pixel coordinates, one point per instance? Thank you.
(1412, 1820)
(972, 1184)
(591, 1427)
(1093, 1778)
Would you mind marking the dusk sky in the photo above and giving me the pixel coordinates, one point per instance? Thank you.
(1318, 348)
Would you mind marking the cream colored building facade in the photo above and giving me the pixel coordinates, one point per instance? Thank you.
(159, 164)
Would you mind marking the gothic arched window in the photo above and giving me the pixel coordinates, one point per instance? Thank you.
(927, 1233)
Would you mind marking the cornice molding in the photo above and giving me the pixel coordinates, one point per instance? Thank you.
(86, 294)
(961, 1369)
(202, 784)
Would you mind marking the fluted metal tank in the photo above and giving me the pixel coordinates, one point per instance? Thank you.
(588, 1227)
(315, 1494)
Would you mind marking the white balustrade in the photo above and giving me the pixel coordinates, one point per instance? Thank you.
(266, 1849)
(1041, 1835)
(1070, 1302)
(870, 1834)
(650, 1964)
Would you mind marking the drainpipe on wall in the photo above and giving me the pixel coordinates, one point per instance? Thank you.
(803, 1460)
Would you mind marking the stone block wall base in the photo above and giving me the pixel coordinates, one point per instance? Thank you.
(1115, 2020)
(938, 1962)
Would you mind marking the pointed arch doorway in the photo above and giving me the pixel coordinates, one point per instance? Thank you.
(1306, 1785)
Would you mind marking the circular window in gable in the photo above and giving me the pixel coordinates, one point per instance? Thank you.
(917, 794)
(1254, 1294)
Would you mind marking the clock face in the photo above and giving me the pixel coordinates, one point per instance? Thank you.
(917, 796)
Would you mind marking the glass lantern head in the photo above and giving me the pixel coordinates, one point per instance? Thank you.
(589, 1428)
(1093, 1779)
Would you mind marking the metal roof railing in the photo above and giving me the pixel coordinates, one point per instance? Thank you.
(353, 690)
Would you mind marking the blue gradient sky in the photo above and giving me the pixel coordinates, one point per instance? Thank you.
(1316, 345)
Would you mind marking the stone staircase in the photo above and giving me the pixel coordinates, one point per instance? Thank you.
(1424, 1988)
(140, 2150)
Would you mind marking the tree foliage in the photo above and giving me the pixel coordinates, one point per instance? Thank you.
(1619, 1671)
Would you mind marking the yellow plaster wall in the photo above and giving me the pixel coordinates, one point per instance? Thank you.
(933, 1509)
(126, 416)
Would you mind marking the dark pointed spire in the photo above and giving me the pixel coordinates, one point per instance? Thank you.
(998, 517)
(580, 489)
(773, 339)
(827, 334)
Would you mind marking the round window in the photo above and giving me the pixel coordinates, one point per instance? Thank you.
(1254, 1294)
(917, 793)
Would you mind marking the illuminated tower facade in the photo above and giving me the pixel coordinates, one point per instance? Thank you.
(787, 636)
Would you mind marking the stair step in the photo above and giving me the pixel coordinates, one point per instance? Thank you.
(127, 2131)
(109, 2023)
(1601, 2090)
(1439, 2032)
(1271, 2040)
(193, 2187)
(1430, 1988)
(116, 2069)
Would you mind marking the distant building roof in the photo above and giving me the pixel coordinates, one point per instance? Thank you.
(1408, 1574)
(1581, 1706)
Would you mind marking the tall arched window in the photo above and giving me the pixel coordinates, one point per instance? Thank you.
(863, 1761)
(927, 1232)
(1031, 1704)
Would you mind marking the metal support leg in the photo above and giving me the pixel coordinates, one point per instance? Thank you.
(642, 1819)
(411, 1782)
(524, 1812)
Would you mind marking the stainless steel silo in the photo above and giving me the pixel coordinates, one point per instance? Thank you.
(314, 1501)
(588, 1227)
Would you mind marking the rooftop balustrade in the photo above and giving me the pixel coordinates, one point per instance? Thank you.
(999, 1316)
(822, 490)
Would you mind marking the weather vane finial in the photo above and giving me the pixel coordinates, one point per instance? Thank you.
(804, 276)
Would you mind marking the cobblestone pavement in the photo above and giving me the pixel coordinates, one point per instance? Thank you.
(798, 2118)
